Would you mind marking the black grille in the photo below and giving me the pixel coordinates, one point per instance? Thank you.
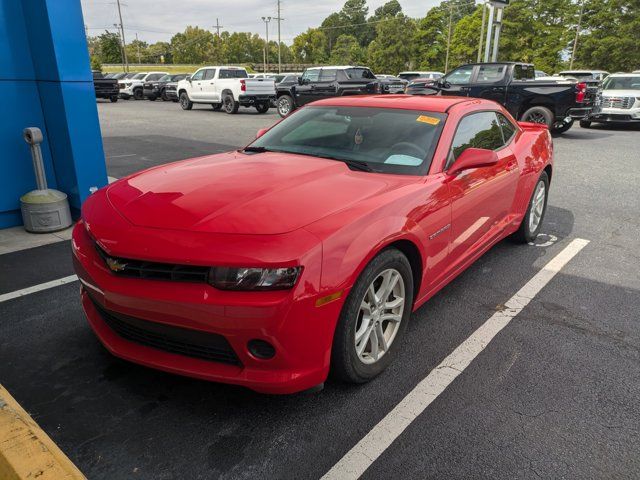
(183, 341)
(154, 270)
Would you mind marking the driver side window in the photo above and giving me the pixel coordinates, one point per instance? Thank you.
(477, 130)
(198, 75)
(311, 75)
(460, 75)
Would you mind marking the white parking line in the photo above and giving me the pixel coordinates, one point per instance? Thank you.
(122, 156)
(38, 288)
(367, 450)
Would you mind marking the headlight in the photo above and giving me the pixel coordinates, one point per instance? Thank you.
(231, 278)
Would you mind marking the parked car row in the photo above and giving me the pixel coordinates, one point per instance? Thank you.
(528, 94)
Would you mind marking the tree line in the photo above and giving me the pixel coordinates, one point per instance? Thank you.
(537, 31)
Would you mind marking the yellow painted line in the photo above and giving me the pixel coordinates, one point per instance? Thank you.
(26, 451)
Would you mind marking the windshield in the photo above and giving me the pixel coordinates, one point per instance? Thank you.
(408, 76)
(622, 83)
(139, 76)
(165, 78)
(385, 140)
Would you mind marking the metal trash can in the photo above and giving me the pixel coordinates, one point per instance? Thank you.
(43, 210)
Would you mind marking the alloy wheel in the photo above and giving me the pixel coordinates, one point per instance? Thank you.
(379, 316)
(537, 206)
(283, 106)
(537, 117)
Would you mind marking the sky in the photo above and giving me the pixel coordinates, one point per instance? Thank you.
(158, 20)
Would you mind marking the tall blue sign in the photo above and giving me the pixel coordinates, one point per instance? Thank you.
(47, 83)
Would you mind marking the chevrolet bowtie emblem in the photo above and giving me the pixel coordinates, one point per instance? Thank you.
(115, 265)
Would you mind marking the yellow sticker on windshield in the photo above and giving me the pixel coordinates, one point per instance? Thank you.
(427, 119)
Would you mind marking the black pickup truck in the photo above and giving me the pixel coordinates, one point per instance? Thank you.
(105, 87)
(323, 82)
(513, 84)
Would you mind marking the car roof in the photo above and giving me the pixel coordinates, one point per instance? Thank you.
(337, 67)
(582, 71)
(432, 103)
(633, 74)
(419, 71)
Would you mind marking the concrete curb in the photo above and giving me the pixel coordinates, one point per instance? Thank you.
(26, 451)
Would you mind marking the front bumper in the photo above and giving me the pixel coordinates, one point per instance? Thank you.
(615, 115)
(578, 112)
(248, 100)
(151, 92)
(171, 94)
(300, 332)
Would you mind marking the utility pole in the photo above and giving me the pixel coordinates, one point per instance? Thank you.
(446, 62)
(489, 28)
(124, 42)
(121, 47)
(279, 54)
(496, 38)
(266, 21)
(138, 47)
(217, 26)
(575, 40)
(484, 16)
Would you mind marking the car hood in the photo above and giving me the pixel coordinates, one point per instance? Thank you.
(265, 193)
(621, 93)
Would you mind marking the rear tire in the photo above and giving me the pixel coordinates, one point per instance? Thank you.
(152, 98)
(532, 221)
(358, 361)
(185, 103)
(262, 107)
(113, 98)
(229, 105)
(216, 107)
(538, 115)
(285, 105)
(564, 128)
(585, 123)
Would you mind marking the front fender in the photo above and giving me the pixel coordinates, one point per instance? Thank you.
(347, 252)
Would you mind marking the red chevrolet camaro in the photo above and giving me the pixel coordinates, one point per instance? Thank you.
(307, 250)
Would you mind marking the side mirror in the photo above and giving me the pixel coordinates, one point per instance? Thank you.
(261, 132)
(188, 78)
(473, 158)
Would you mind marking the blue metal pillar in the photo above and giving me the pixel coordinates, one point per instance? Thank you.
(47, 83)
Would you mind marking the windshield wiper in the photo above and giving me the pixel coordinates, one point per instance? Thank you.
(255, 149)
(357, 165)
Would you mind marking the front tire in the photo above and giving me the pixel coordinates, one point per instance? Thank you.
(532, 221)
(163, 95)
(285, 105)
(113, 98)
(152, 98)
(585, 123)
(538, 115)
(185, 103)
(216, 107)
(262, 107)
(138, 94)
(374, 319)
(229, 105)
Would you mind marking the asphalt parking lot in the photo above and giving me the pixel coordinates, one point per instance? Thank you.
(556, 394)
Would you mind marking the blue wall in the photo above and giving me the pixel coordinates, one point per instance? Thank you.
(46, 82)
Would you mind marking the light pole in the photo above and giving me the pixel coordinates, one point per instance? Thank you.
(124, 42)
(575, 40)
(266, 21)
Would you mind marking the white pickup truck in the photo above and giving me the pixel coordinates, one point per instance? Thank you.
(132, 87)
(226, 88)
